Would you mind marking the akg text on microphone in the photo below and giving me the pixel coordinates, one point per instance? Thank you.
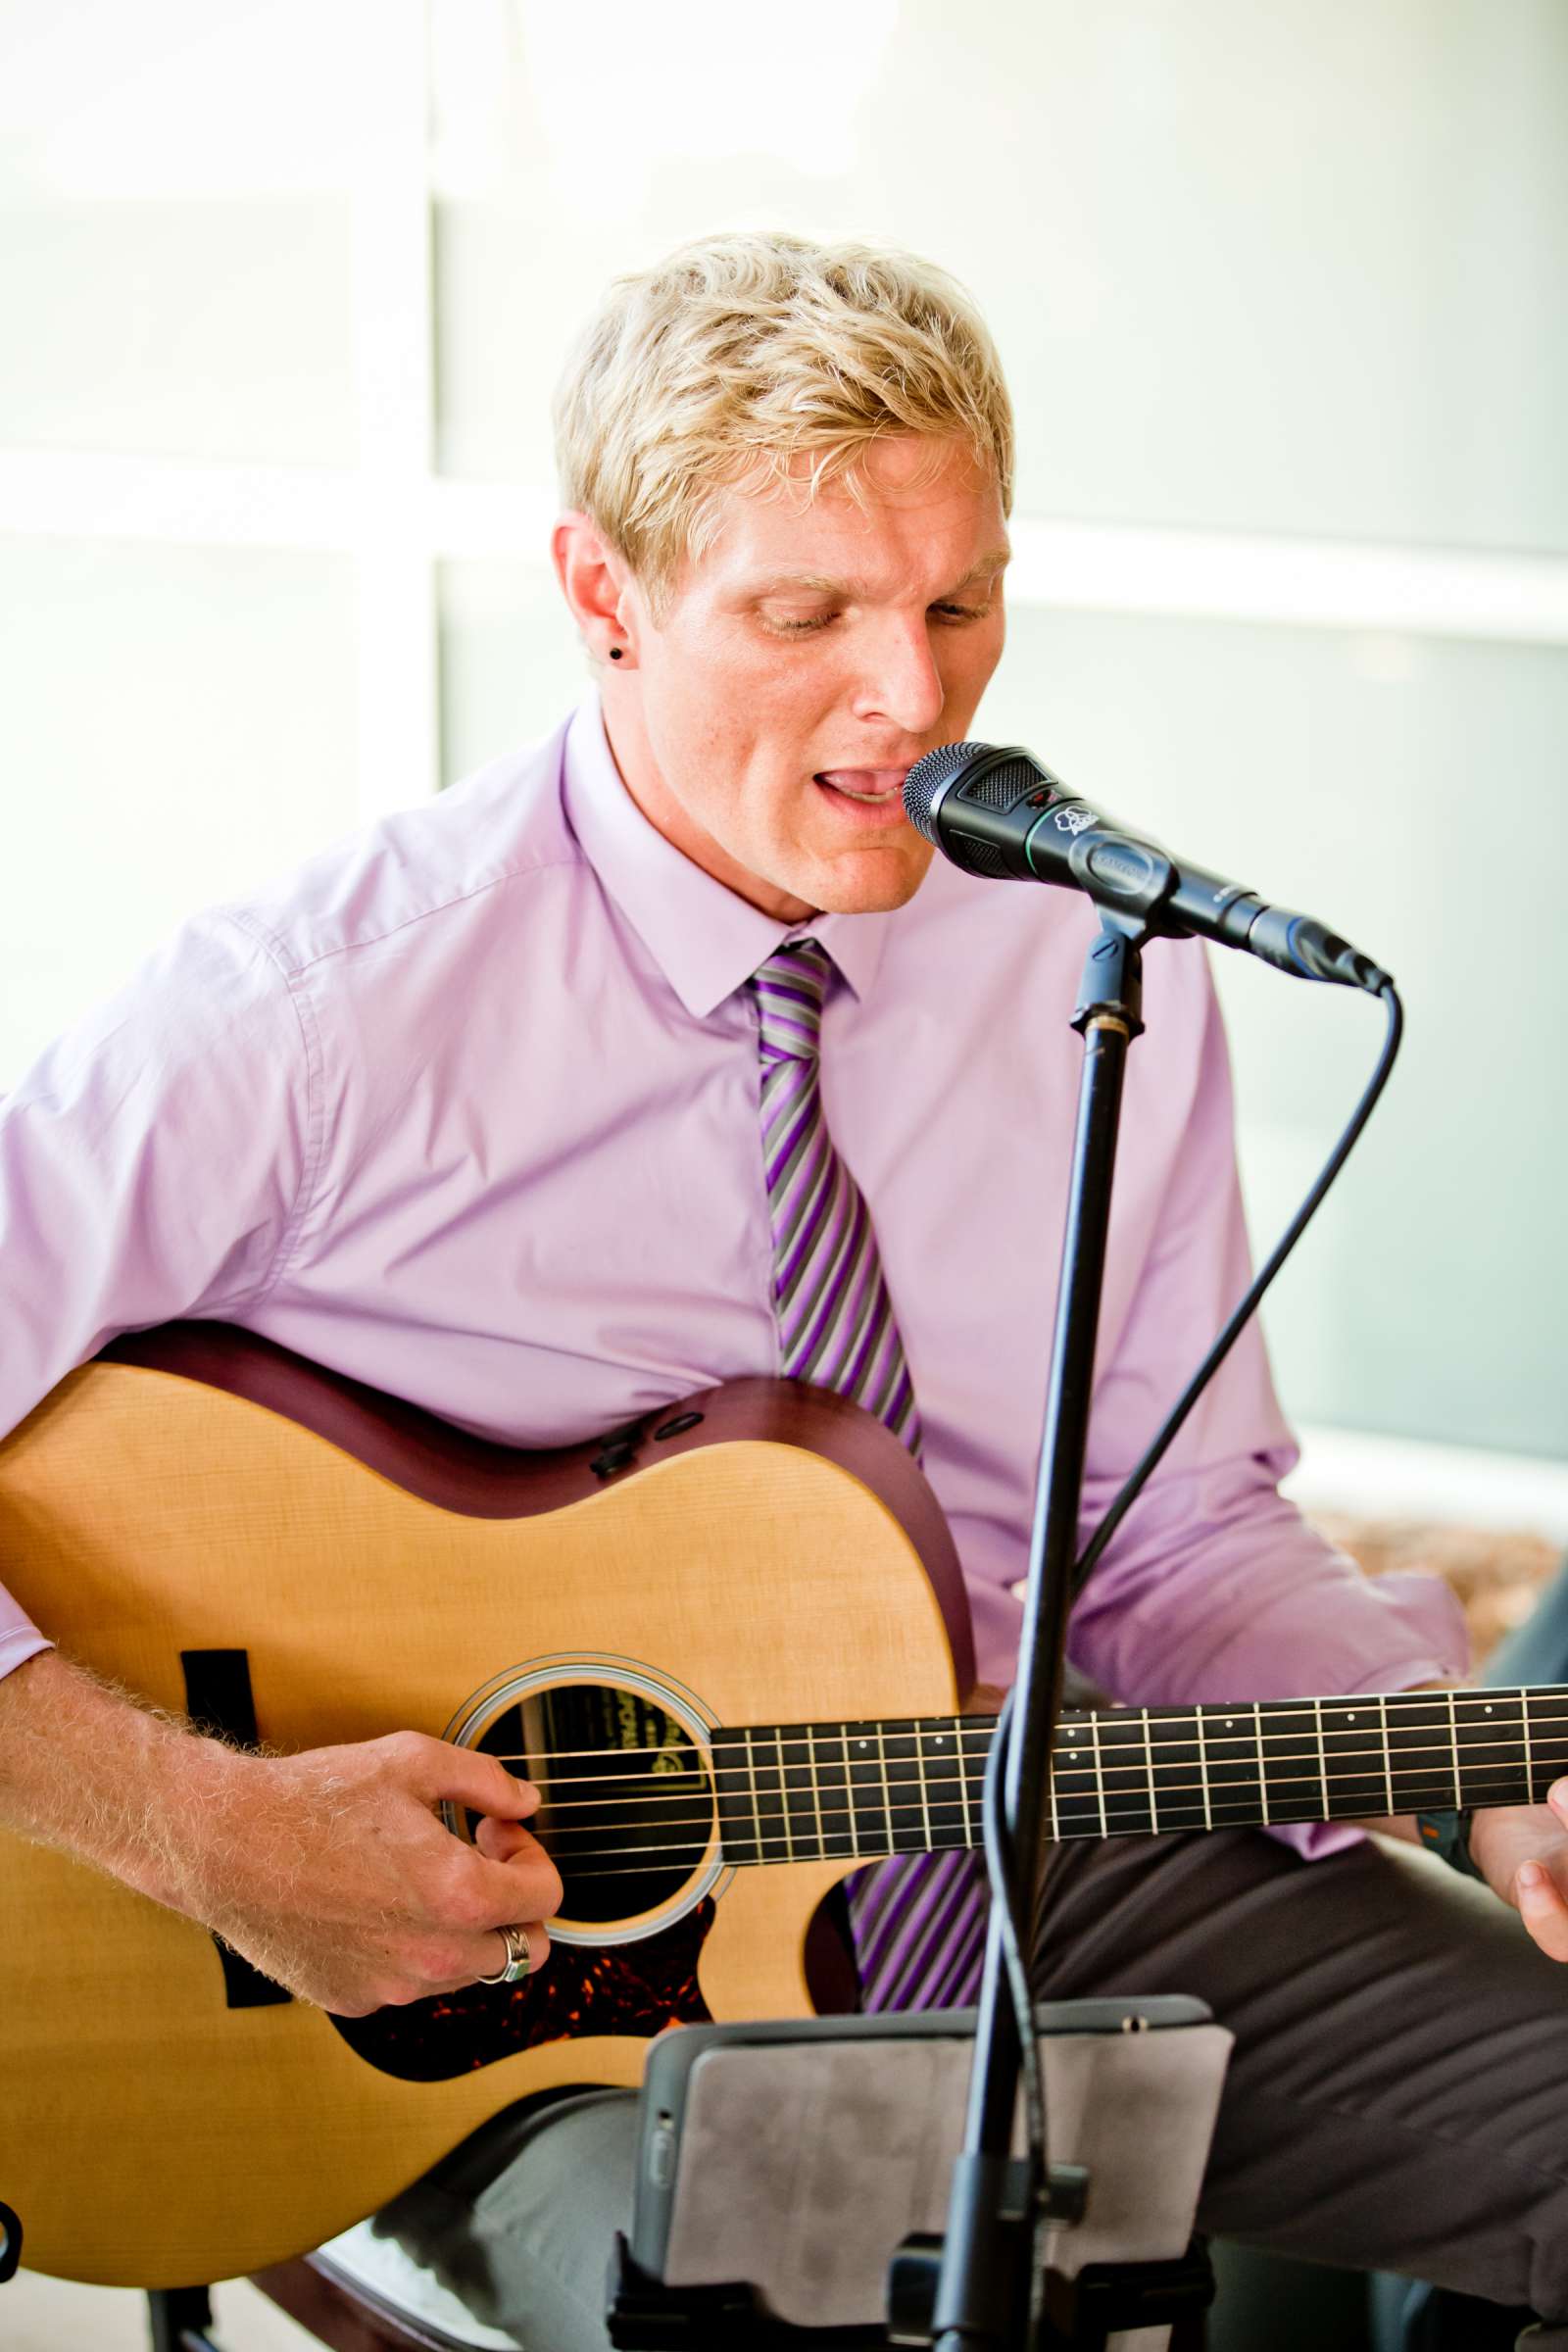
(1003, 814)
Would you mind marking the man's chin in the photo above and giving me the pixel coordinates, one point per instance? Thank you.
(867, 881)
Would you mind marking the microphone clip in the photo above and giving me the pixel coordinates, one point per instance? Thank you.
(1111, 993)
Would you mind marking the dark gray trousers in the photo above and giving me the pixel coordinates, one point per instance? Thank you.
(1397, 2096)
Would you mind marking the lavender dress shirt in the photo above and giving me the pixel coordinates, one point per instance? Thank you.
(466, 1106)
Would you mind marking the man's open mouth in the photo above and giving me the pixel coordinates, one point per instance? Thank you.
(873, 787)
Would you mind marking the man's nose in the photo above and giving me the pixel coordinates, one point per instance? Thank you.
(901, 681)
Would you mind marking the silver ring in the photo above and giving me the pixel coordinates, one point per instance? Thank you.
(520, 1959)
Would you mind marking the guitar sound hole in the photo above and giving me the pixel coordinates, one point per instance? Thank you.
(627, 1816)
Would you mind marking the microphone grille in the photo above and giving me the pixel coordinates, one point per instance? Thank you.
(1010, 781)
(927, 777)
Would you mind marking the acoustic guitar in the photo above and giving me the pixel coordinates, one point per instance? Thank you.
(728, 1641)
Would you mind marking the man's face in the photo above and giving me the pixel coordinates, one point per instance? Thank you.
(816, 651)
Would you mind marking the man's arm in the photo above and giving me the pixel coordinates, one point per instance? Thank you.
(331, 1871)
(154, 1164)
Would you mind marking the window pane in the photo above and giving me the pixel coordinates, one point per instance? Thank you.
(178, 724)
(1409, 794)
(174, 228)
(510, 665)
(1285, 269)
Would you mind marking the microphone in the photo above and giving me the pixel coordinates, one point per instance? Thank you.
(1003, 814)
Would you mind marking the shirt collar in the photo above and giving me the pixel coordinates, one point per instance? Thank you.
(704, 939)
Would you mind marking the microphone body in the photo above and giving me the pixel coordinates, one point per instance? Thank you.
(1003, 814)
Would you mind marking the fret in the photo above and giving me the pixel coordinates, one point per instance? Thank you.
(1388, 1760)
(925, 1799)
(1453, 1734)
(1262, 1771)
(816, 1786)
(1292, 1769)
(1530, 1761)
(1099, 1775)
(1076, 1803)
(767, 1774)
(1203, 1768)
(1178, 1768)
(1357, 1757)
(757, 1808)
(946, 1790)
(735, 1795)
(899, 1745)
(972, 1784)
(801, 1823)
(1491, 1750)
(833, 1791)
(1121, 1745)
(868, 1794)
(1149, 1768)
(1545, 1711)
(1420, 1750)
(1232, 1783)
(1322, 1759)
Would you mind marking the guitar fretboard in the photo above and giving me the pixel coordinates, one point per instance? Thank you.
(798, 1792)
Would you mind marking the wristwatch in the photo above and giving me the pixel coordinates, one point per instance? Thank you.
(1447, 1834)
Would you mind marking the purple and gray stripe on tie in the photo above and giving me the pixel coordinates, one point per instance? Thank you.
(919, 1920)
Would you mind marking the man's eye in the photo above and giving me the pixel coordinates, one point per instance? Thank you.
(798, 629)
(949, 613)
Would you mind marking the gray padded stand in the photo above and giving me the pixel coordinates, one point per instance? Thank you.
(798, 2156)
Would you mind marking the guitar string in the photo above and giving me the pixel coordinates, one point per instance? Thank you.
(1128, 1822)
(1064, 1760)
(957, 1787)
(791, 1833)
(1406, 1702)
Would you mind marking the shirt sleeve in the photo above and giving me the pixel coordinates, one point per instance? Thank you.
(154, 1163)
(1215, 1587)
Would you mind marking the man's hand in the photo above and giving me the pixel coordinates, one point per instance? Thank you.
(1523, 1850)
(332, 1872)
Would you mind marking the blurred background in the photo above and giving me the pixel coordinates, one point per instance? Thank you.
(285, 285)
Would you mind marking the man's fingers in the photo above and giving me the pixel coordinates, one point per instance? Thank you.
(499, 1841)
(463, 1776)
(526, 1884)
(1542, 1909)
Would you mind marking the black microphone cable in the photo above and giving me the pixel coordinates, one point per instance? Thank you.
(1002, 1861)
(1132, 1486)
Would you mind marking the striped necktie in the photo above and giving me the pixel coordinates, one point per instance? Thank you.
(919, 1920)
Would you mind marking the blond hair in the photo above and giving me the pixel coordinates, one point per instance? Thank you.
(743, 353)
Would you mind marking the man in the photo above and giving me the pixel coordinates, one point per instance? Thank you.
(483, 1106)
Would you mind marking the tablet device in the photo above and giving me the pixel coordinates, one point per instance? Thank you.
(795, 2155)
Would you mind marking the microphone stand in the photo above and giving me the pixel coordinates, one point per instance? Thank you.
(983, 2289)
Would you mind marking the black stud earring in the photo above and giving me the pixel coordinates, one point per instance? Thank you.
(615, 652)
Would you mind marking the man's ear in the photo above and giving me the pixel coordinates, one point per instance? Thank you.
(594, 580)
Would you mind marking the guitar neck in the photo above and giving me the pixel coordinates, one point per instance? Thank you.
(798, 1792)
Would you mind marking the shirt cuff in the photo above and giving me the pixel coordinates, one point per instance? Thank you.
(19, 1644)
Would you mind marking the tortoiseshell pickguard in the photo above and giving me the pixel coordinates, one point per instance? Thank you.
(632, 1988)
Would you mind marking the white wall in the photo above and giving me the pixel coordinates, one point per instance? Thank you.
(284, 290)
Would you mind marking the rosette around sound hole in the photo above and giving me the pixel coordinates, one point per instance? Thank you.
(627, 1807)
